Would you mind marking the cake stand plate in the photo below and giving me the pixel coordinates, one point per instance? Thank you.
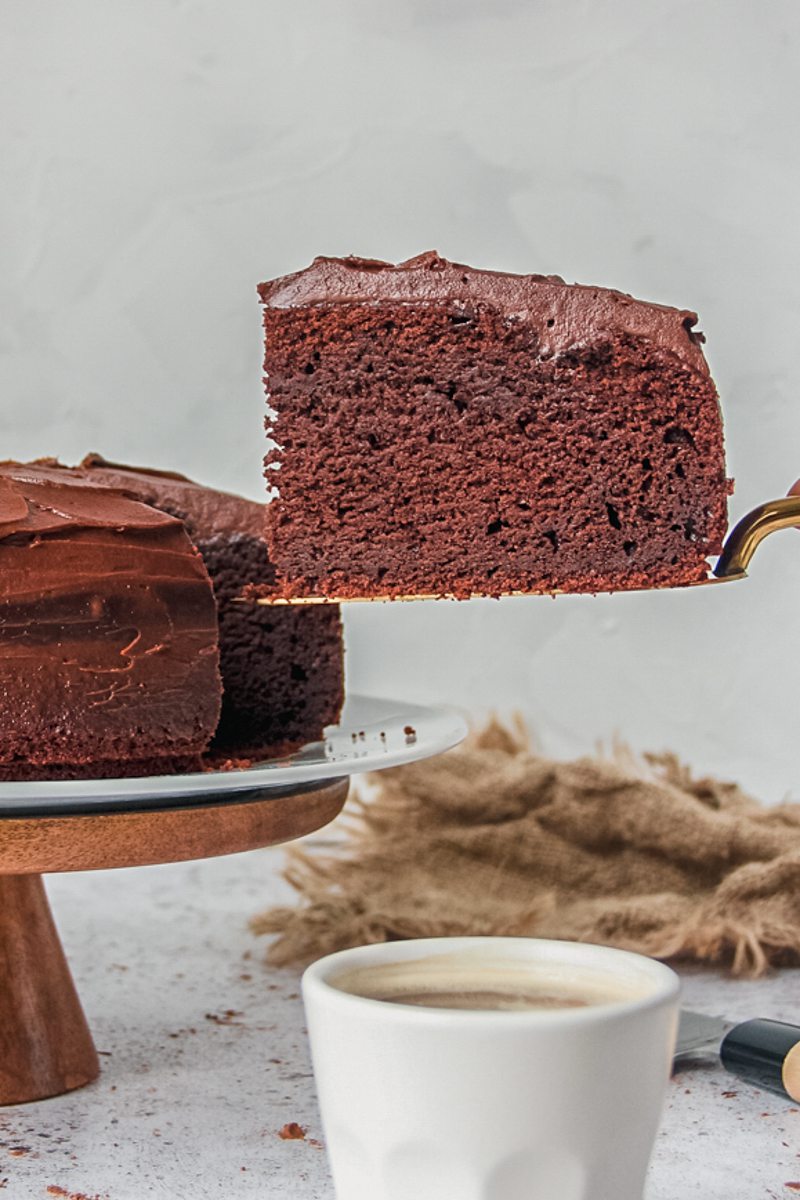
(45, 1044)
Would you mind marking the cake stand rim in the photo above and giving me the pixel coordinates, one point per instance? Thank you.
(37, 845)
(21, 810)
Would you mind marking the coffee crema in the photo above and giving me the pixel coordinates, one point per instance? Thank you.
(474, 980)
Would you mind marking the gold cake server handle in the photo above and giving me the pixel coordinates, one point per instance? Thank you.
(745, 537)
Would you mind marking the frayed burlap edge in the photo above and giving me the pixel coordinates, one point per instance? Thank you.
(492, 838)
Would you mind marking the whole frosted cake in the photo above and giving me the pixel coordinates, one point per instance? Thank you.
(282, 668)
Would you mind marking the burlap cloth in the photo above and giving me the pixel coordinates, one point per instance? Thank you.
(491, 838)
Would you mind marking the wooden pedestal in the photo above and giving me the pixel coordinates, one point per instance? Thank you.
(45, 1044)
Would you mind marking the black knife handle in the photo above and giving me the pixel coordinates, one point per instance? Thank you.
(766, 1053)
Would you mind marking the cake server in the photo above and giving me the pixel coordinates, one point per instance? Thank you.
(761, 1051)
(740, 546)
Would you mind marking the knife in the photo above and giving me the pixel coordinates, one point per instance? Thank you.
(762, 1052)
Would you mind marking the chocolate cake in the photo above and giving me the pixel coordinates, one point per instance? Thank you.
(282, 668)
(108, 633)
(445, 430)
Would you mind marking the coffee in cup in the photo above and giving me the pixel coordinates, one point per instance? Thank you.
(468, 979)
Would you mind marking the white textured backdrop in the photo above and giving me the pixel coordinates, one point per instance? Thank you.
(159, 157)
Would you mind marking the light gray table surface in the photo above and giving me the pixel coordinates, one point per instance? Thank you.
(204, 1059)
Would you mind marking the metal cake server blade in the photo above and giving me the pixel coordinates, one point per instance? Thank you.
(699, 1037)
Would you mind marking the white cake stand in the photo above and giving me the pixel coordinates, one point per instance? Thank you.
(83, 825)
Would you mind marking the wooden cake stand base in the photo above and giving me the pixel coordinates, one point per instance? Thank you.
(45, 1044)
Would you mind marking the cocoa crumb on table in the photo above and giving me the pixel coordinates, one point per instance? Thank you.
(226, 1018)
(55, 1190)
(292, 1132)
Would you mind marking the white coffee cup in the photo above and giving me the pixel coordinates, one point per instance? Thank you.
(422, 1103)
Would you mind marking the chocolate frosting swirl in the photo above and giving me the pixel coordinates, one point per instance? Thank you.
(205, 511)
(37, 499)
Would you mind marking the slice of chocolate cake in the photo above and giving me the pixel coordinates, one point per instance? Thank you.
(282, 669)
(108, 634)
(451, 431)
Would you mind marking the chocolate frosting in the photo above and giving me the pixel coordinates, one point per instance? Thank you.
(39, 499)
(108, 631)
(206, 512)
(564, 315)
